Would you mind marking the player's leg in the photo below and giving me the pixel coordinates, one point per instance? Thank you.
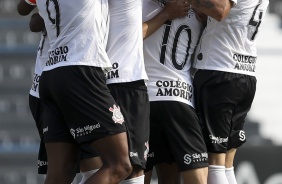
(168, 173)
(90, 162)
(237, 134)
(36, 109)
(186, 142)
(133, 100)
(216, 172)
(222, 117)
(62, 151)
(195, 176)
(114, 154)
(62, 162)
(91, 115)
(215, 113)
(160, 155)
(148, 176)
(229, 169)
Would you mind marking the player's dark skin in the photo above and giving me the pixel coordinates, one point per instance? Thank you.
(24, 8)
(36, 23)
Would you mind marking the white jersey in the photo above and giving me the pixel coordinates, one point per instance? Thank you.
(77, 32)
(167, 55)
(41, 59)
(230, 45)
(125, 43)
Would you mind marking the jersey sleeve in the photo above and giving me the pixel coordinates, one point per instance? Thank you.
(31, 2)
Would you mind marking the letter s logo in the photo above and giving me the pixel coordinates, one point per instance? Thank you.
(187, 159)
(242, 135)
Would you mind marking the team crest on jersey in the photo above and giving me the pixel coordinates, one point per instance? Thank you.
(117, 115)
(147, 150)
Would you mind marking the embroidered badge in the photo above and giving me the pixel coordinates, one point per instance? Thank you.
(117, 115)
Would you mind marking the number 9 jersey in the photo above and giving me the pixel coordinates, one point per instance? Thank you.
(230, 45)
(167, 55)
(77, 31)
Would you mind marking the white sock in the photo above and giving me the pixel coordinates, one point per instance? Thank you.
(86, 175)
(230, 175)
(217, 175)
(137, 180)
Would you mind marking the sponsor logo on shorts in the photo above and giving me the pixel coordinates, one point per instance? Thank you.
(242, 135)
(81, 131)
(117, 115)
(45, 130)
(133, 154)
(147, 150)
(41, 163)
(218, 140)
(151, 155)
(196, 157)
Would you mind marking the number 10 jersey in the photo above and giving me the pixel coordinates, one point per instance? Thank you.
(167, 55)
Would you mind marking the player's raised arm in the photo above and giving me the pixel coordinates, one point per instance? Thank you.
(217, 9)
(24, 7)
(173, 9)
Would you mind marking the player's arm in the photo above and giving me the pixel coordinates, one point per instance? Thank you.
(173, 9)
(36, 23)
(217, 9)
(24, 7)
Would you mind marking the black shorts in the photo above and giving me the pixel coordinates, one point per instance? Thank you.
(175, 136)
(132, 97)
(222, 101)
(78, 106)
(36, 110)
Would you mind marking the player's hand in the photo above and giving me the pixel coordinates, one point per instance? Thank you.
(201, 17)
(176, 9)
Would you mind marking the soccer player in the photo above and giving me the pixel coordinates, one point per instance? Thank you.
(25, 8)
(87, 156)
(127, 79)
(78, 106)
(225, 82)
(175, 132)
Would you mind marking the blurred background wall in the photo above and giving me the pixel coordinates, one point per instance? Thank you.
(258, 161)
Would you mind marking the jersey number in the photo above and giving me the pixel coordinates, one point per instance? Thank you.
(54, 20)
(181, 28)
(255, 23)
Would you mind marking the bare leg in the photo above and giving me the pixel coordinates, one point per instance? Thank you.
(148, 177)
(168, 173)
(217, 159)
(89, 164)
(229, 169)
(62, 162)
(196, 176)
(230, 158)
(115, 157)
(216, 174)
